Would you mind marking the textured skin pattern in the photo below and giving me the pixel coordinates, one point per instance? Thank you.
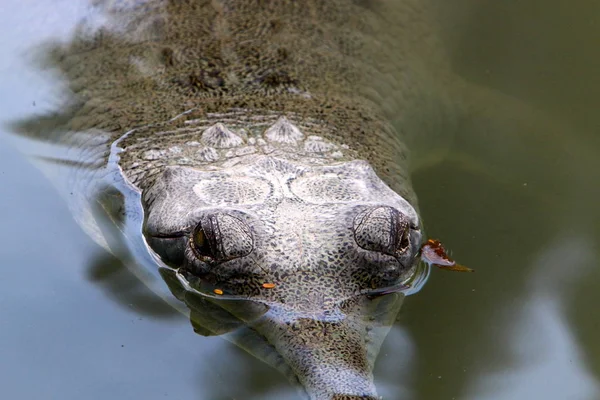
(309, 241)
(303, 233)
(269, 141)
(350, 65)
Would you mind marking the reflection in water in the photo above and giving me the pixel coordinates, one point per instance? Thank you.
(541, 339)
(501, 231)
(515, 182)
(394, 370)
(119, 284)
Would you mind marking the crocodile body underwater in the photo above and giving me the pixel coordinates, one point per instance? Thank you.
(259, 153)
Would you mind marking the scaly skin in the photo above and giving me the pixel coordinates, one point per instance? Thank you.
(371, 72)
(269, 141)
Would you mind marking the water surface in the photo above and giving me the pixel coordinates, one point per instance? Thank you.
(76, 324)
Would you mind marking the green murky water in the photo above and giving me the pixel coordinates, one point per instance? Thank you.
(75, 324)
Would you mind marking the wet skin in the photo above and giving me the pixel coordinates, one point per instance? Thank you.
(249, 143)
(262, 149)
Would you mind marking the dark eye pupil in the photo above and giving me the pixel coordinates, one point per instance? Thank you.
(201, 243)
(404, 241)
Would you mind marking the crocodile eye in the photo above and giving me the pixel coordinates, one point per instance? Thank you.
(201, 245)
(221, 237)
(404, 241)
(382, 229)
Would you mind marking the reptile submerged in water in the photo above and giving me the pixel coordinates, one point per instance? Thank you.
(258, 156)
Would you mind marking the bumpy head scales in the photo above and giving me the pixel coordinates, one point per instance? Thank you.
(316, 242)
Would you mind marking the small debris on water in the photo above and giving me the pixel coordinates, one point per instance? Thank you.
(218, 291)
(433, 253)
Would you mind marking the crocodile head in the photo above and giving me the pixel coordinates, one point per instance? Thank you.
(314, 249)
(266, 230)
